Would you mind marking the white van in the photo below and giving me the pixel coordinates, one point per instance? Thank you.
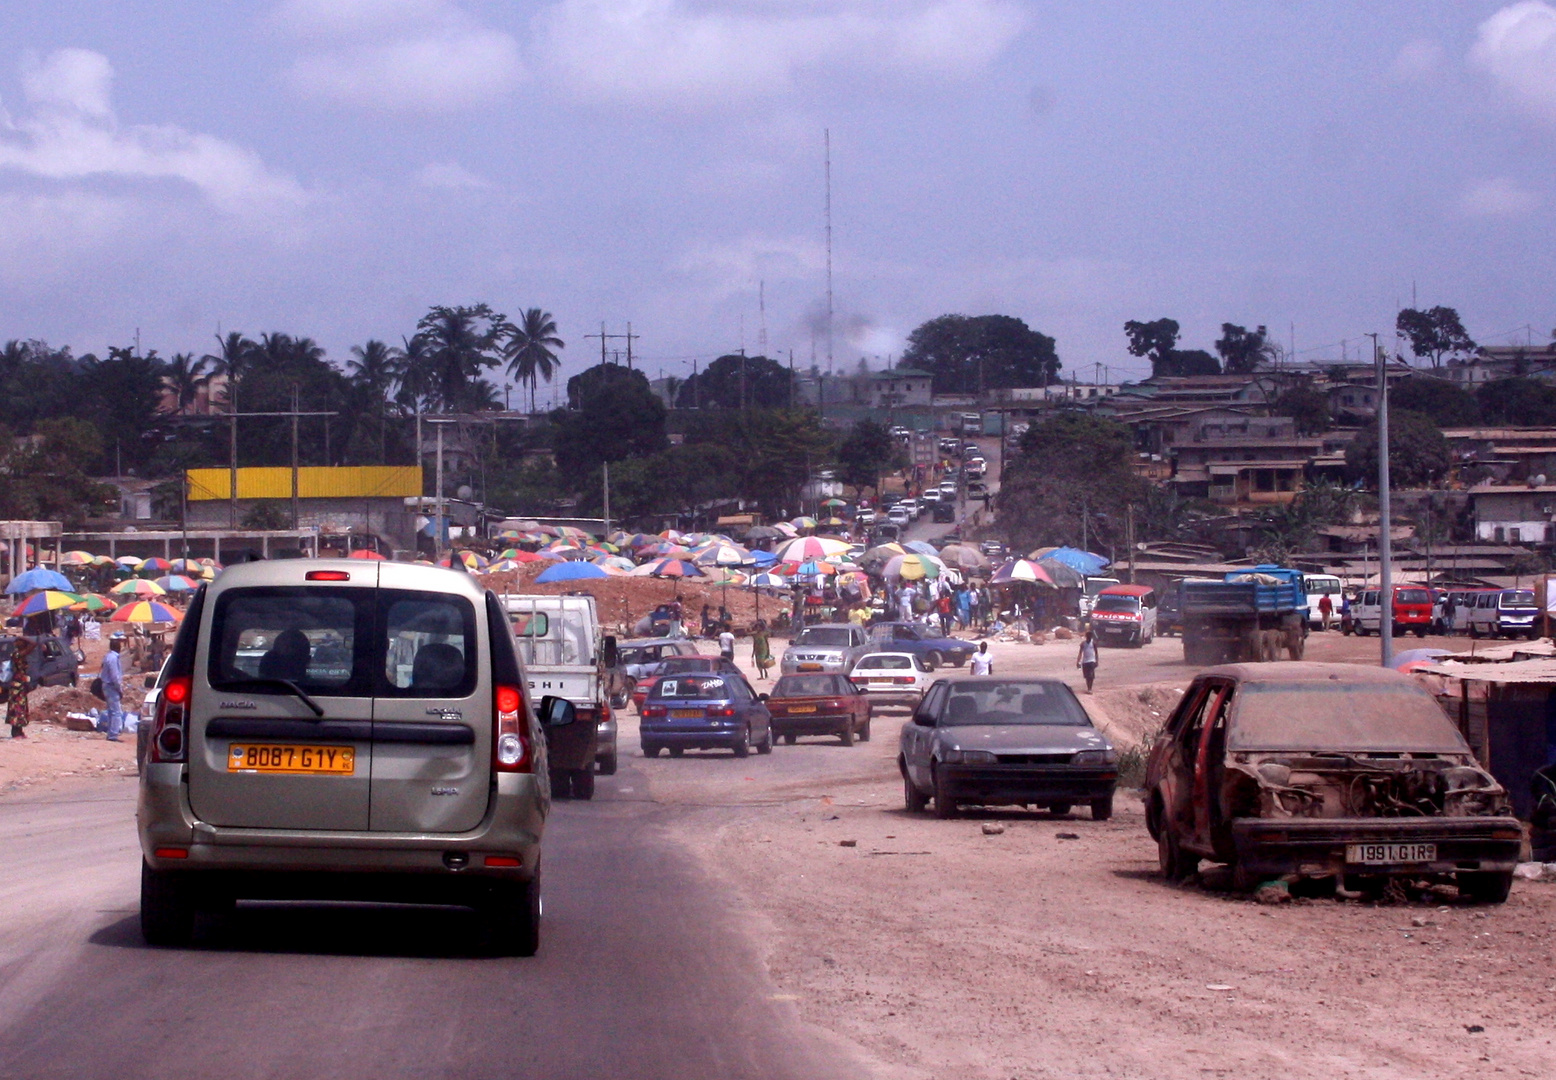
(565, 655)
(1505, 613)
(1094, 585)
(1319, 586)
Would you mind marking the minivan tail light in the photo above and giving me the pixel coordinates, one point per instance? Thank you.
(328, 575)
(169, 742)
(510, 740)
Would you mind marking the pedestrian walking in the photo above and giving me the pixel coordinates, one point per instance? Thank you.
(761, 649)
(727, 644)
(1325, 609)
(16, 713)
(1087, 660)
(112, 676)
(943, 610)
(982, 662)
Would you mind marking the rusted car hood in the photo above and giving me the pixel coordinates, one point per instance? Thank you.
(1024, 738)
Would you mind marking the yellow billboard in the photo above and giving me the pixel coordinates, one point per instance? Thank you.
(313, 482)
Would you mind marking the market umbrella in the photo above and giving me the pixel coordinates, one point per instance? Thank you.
(1021, 570)
(801, 523)
(669, 568)
(883, 553)
(1083, 562)
(178, 583)
(762, 532)
(721, 555)
(138, 587)
(103, 560)
(913, 567)
(767, 581)
(570, 571)
(808, 568)
(93, 602)
(501, 566)
(471, 560)
(964, 556)
(570, 532)
(922, 548)
(131, 561)
(76, 558)
(833, 522)
(834, 503)
(1064, 575)
(39, 577)
(364, 553)
(616, 562)
(811, 547)
(154, 566)
(785, 529)
(48, 600)
(146, 611)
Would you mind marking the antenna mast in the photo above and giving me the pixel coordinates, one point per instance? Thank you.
(761, 305)
(827, 135)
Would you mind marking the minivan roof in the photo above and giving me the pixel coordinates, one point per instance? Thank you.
(358, 572)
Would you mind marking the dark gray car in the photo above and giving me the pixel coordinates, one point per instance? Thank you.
(988, 742)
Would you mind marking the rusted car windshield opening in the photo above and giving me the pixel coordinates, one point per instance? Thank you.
(1014, 704)
(1340, 717)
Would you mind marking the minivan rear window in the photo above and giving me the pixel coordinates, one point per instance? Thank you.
(430, 645)
(1518, 598)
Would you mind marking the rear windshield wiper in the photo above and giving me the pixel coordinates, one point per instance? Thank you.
(288, 685)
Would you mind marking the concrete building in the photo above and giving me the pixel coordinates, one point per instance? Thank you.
(901, 388)
(1514, 515)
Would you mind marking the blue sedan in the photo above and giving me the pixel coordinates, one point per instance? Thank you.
(921, 642)
(704, 711)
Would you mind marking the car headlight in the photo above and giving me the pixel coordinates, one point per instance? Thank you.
(1095, 757)
(967, 757)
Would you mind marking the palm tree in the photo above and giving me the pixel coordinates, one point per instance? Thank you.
(373, 372)
(528, 350)
(185, 377)
(462, 342)
(414, 362)
(231, 361)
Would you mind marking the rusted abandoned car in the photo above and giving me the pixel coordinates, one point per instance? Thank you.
(1325, 771)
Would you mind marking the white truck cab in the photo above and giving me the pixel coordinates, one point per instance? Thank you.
(565, 656)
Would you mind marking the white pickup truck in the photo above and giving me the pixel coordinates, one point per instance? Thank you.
(566, 656)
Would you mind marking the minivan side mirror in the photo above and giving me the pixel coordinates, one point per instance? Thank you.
(609, 650)
(556, 712)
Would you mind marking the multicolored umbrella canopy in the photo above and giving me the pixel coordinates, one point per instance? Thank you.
(913, 567)
(190, 567)
(964, 556)
(178, 583)
(570, 571)
(155, 565)
(48, 600)
(138, 587)
(1083, 562)
(884, 552)
(146, 611)
(502, 565)
(131, 561)
(616, 562)
(834, 503)
(103, 560)
(767, 581)
(471, 560)
(673, 568)
(94, 602)
(803, 522)
(720, 555)
(808, 568)
(364, 553)
(1064, 575)
(1021, 570)
(811, 547)
(76, 558)
(922, 548)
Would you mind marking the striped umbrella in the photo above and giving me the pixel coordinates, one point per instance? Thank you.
(808, 568)
(721, 555)
(810, 547)
(768, 581)
(803, 522)
(103, 560)
(131, 561)
(471, 560)
(94, 602)
(146, 611)
(178, 583)
(138, 587)
(616, 562)
(76, 558)
(913, 567)
(154, 566)
(1021, 570)
(834, 503)
(673, 568)
(501, 566)
(47, 600)
(571, 533)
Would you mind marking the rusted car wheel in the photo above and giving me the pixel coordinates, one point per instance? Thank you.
(1486, 887)
(1174, 864)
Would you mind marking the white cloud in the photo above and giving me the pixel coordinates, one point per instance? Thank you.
(1497, 197)
(415, 55)
(1417, 60)
(1517, 47)
(72, 134)
(682, 53)
(450, 176)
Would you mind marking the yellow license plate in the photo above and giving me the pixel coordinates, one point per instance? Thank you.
(273, 758)
(686, 714)
(802, 708)
(810, 667)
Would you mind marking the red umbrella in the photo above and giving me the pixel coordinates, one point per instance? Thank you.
(366, 554)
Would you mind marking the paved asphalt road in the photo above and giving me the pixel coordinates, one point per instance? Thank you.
(645, 968)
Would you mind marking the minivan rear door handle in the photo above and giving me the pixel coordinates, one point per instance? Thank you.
(260, 727)
(425, 734)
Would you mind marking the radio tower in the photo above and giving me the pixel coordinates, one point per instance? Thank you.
(827, 136)
(761, 305)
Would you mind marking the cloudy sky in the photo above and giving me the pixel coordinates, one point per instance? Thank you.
(334, 167)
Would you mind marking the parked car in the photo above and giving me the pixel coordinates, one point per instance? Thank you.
(819, 705)
(678, 665)
(1125, 615)
(934, 650)
(899, 515)
(892, 678)
(945, 511)
(970, 450)
(992, 549)
(51, 662)
(411, 766)
(831, 647)
(977, 489)
(865, 517)
(947, 489)
(992, 741)
(700, 711)
(930, 498)
(1412, 611)
(1505, 613)
(636, 656)
(1330, 771)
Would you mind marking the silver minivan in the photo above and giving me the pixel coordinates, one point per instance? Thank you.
(345, 729)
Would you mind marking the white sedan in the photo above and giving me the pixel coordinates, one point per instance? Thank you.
(892, 678)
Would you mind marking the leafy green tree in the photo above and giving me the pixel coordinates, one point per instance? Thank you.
(372, 371)
(462, 343)
(1154, 340)
(1435, 334)
(867, 453)
(185, 378)
(1418, 453)
(1069, 467)
(736, 382)
(45, 478)
(1305, 405)
(1243, 350)
(1448, 404)
(614, 415)
(528, 349)
(994, 352)
(281, 370)
(1519, 401)
(775, 451)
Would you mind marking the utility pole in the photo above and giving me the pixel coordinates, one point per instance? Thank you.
(233, 416)
(294, 457)
(1385, 541)
(232, 468)
(827, 134)
(761, 306)
(1131, 520)
(604, 337)
(631, 337)
(606, 466)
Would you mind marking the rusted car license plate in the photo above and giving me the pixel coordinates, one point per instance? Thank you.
(1389, 854)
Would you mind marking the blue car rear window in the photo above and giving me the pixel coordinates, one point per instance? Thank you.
(689, 687)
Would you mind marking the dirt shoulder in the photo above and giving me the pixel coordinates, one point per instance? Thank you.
(50, 753)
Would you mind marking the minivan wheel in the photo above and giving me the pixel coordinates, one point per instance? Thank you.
(583, 783)
(650, 751)
(511, 917)
(167, 907)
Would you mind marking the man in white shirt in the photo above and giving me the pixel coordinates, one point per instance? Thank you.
(982, 662)
(727, 644)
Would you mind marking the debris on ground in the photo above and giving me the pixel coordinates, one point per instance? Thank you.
(991, 828)
(1273, 892)
(1131, 716)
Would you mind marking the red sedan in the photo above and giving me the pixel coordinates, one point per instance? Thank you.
(819, 705)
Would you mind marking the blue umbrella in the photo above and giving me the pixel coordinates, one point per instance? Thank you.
(922, 548)
(762, 558)
(1081, 561)
(38, 578)
(570, 571)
